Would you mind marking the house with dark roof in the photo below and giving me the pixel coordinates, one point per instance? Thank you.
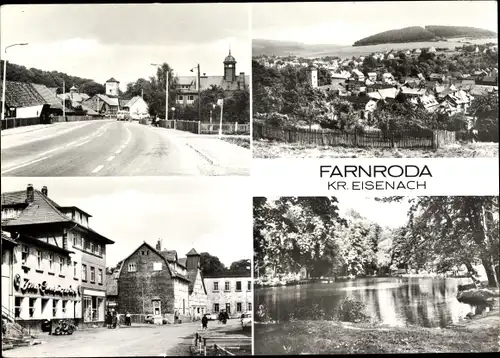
(155, 281)
(187, 86)
(23, 100)
(103, 104)
(59, 262)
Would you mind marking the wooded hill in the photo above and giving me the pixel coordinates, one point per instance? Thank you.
(52, 79)
(418, 33)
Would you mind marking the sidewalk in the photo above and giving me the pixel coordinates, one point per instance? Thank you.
(218, 152)
(25, 129)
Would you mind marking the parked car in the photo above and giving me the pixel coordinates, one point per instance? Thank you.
(213, 316)
(246, 319)
(151, 319)
(122, 115)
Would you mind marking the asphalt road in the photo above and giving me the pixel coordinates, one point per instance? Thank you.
(109, 148)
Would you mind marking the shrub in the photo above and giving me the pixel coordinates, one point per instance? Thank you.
(262, 314)
(350, 310)
(277, 119)
(315, 313)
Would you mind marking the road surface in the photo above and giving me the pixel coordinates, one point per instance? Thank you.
(137, 340)
(115, 148)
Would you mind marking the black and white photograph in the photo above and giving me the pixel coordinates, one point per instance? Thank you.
(126, 267)
(368, 275)
(125, 90)
(407, 79)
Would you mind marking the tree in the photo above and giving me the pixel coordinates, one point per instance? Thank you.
(240, 268)
(92, 88)
(211, 265)
(485, 111)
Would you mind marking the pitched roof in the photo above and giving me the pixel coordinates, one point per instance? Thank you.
(49, 96)
(192, 252)
(182, 261)
(132, 101)
(90, 111)
(111, 101)
(7, 237)
(111, 285)
(20, 94)
(192, 275)
(112, 80)
(169, 255)
(207, 81)
(384, 93)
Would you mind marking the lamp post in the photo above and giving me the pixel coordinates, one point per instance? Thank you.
(5, 76)
(166, 90)
(199, 99)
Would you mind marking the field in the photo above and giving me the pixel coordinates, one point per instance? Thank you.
(270, 149)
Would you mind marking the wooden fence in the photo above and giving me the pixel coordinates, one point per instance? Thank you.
(58, 119)
(197, 127)
(221, 345)
(423, 139)
(19, 122)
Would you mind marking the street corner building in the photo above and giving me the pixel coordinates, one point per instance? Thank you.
(154, 281)
(232, 293)
(53, 263)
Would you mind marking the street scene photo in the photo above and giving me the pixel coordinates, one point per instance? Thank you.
(375, 79)
(125, 90)
(126, 267)
(356, 275)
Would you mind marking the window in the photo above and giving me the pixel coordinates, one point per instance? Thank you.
(84, 272)
(83, 243)
(227, 286)
(216, 286)
(92, 248)
(87, 308)
(74, 268)
(249, 304)
(132, 267)
(190, 98)
(238, 285)
(18, 302)
(61, 265)
(24, 254)
(99, 277)
(45, 302)
(228, 307)
(39, 259)
(92, 274)
(64, 307)
(216, 307)
(51, 261)
(142, 253)
(32, 307)
(55, 303)
(238, 307)
(249, 287)
(157, 266)
(180, 98)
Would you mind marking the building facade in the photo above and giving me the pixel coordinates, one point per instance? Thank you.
(47, 262)
(197, 292)
(8, 245)
(233, 294)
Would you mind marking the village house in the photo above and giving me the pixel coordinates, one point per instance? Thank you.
(105, 104)
(156, 281)
(187, 86)
(47, 263)
(136, 107)
(230, 293)
(388, 78)
(74, 102)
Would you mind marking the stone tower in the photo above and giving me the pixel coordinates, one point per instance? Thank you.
(112, 87)
(229, 68)
(312, 76)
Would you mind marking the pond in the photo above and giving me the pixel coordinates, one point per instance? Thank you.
(422, 301)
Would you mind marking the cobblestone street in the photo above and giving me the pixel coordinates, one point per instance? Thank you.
(138, 340)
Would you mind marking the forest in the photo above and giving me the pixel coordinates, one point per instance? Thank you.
(441, 234)
(419, 34)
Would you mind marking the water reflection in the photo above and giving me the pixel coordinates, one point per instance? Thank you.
(427, 302)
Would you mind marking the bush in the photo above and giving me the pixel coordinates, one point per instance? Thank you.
(262, 314)
(315, 313)
(277, 120)
(350, 310)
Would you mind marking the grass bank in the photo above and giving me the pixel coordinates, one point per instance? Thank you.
(271, 149)
(242, 142)
(331, 337)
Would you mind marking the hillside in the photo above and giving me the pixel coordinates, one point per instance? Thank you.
(286, 48)
(52, 79)
(418, 34)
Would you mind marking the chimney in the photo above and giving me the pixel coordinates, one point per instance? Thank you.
(30, 194)
(158, 245)
(45, 191)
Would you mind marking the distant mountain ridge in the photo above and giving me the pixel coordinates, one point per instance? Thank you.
(418, 33)
(285, 48)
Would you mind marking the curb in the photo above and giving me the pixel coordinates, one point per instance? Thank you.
(203, 154)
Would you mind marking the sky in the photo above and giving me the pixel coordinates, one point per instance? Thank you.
(208, 214)
(100, 41)
(343, 23)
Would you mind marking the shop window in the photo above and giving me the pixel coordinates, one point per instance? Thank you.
(55, 303)
(32, 302)
(238, 285)
(45, 303)
(18, 302)
(238, 306)
(87, 309)
(216, 307)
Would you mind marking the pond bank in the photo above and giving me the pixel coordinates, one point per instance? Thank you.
(479, 334)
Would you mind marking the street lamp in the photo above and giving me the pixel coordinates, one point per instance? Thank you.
(5, 76)
(166, 90)
(199, 99)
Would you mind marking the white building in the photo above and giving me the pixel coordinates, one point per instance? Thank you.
(136, 107)
(233, 294)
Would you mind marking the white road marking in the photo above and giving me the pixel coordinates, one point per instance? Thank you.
(118, 151)
(26, 164)
(82, 143)
(111, 158)
(97, 169)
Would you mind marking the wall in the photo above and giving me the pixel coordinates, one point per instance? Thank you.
(7, 276)
(231, 296)
(139, 107)
(198, 298)
(181, 294)
(135, 289)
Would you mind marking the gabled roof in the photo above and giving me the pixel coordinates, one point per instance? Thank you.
(192, 275)
(112, 80)
(106, 99)
(192, 252)
(132, 101)
(182, 261)
(49, 96)
(20, 94)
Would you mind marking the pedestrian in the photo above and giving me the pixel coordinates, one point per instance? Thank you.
(115, 319)
(127, 319)
(108, 319)
(204, 322)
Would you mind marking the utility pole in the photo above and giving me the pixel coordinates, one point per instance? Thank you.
(5, 78)
(64, 101)
(199, 98)
(166, 96)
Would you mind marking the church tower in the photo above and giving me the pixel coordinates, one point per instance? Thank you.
(312, 76)
(112, 87)
(229, 68)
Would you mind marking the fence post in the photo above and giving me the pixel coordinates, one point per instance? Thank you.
(205, 346)
(435, 141)
(175, 123)
(235, 127)
(199, 127)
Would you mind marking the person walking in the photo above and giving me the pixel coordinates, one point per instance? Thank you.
(204, 322)
(115, 319)
(109, 319)
(127, 319)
